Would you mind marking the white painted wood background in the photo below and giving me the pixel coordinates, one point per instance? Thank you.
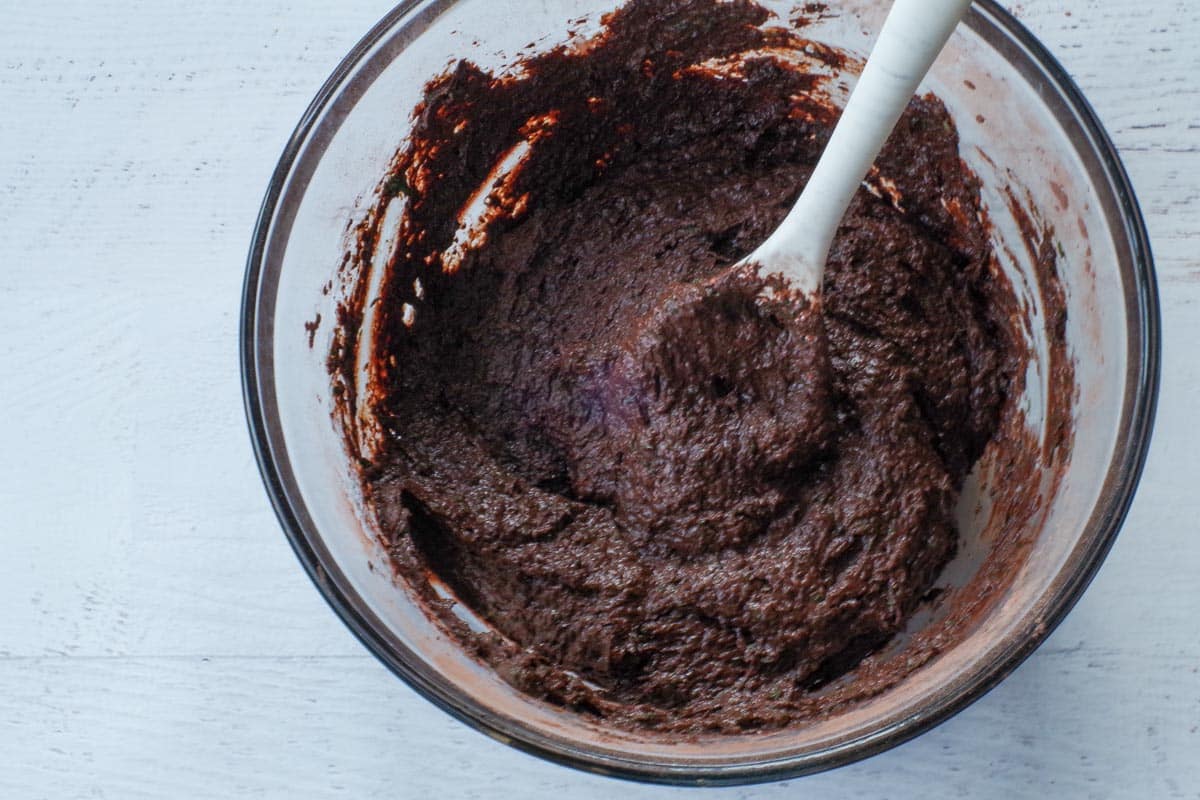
(157, 636)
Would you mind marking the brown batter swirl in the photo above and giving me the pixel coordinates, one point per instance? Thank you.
(678, 506)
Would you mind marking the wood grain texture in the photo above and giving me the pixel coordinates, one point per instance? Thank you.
(158, 638)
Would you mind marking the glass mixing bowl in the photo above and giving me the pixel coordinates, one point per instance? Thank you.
(1023, 125)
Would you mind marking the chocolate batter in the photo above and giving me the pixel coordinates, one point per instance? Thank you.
(676, 504)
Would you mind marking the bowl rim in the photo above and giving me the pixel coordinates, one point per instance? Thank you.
(1124, 472)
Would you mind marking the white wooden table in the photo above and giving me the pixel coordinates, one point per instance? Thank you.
(157, 636)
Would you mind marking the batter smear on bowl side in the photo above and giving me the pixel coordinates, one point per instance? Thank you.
(677, 508)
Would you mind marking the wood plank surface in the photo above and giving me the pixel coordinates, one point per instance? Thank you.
(157, 637)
